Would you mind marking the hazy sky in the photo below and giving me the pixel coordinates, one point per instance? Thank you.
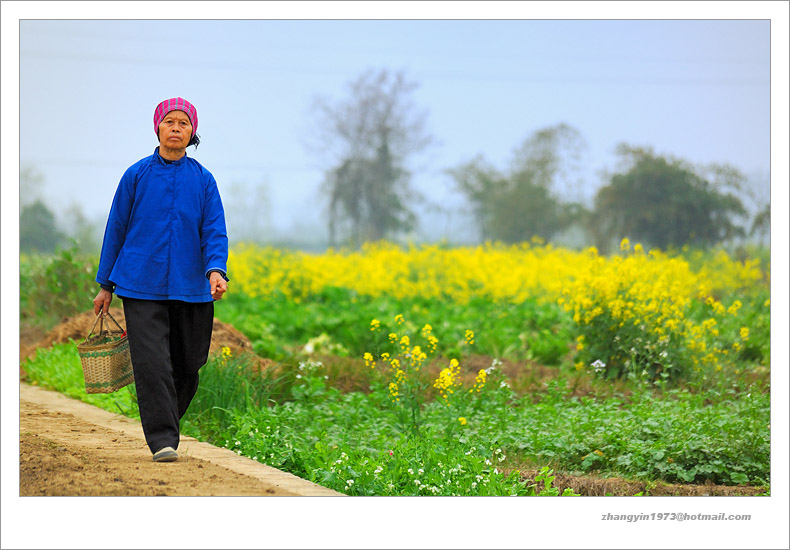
(667, 75)
(694, 89)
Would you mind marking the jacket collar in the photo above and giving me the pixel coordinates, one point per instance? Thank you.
(158, 158)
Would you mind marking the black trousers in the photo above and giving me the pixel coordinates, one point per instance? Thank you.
(169, 341)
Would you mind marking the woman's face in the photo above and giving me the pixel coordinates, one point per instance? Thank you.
(175, 130)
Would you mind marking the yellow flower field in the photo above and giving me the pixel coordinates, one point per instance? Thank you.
(513, 273)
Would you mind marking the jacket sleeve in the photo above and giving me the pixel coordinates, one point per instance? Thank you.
(117, 226)
(213, 235)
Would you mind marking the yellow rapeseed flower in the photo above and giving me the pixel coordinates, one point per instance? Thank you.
(625, 244)
(480, 382)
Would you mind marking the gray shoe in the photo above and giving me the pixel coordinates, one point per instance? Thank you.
(168, 454)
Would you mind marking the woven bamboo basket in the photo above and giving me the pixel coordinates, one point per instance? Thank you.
(106, 362)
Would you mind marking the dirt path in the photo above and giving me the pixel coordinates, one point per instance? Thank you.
(70, 448)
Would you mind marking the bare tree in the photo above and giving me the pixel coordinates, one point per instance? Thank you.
(366, 140)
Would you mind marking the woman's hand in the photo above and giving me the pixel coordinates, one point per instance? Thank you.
(101, 303)
(219, 286)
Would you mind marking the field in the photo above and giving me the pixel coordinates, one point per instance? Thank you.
(490, 370)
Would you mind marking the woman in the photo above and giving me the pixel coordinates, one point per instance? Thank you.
(165, 254)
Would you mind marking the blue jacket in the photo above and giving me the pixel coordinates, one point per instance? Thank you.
(165, 232)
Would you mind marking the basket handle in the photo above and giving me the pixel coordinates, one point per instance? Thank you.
(114, 321)
(101, 325)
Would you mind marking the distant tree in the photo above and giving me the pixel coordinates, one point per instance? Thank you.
(664, 202)
(248, 212)
(85, 234)
(529, 200)
(368, 138)
(30, 185)
(37, 229)
(761, 225)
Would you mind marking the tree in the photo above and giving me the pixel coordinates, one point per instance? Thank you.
(664, 202)
(527, 201)
(761, 225)
(31, 182)
(37, 229)
(86, 235)
(248, 212)
(368, 139)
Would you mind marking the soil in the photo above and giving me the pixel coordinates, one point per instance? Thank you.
(78, 326)
(589, 485)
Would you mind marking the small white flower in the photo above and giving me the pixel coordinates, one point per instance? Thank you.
(238, 443)
(417, 482)
(411, 472)
(488, 462)
(598, 365)
(474, 485)
(350, 482)
(420, 471)
(298, 376)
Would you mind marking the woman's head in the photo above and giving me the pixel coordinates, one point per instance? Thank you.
(169, 115)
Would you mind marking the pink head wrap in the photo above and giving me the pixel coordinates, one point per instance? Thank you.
(175, 104)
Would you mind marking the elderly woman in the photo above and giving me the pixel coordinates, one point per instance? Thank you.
(165, 253)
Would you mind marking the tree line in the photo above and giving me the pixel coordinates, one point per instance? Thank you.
(368, 138)
(657, 200)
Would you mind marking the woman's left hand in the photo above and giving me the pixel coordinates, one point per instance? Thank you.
(219, 286)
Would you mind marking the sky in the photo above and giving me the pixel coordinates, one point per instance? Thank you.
(705, 82)
(694, 89)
